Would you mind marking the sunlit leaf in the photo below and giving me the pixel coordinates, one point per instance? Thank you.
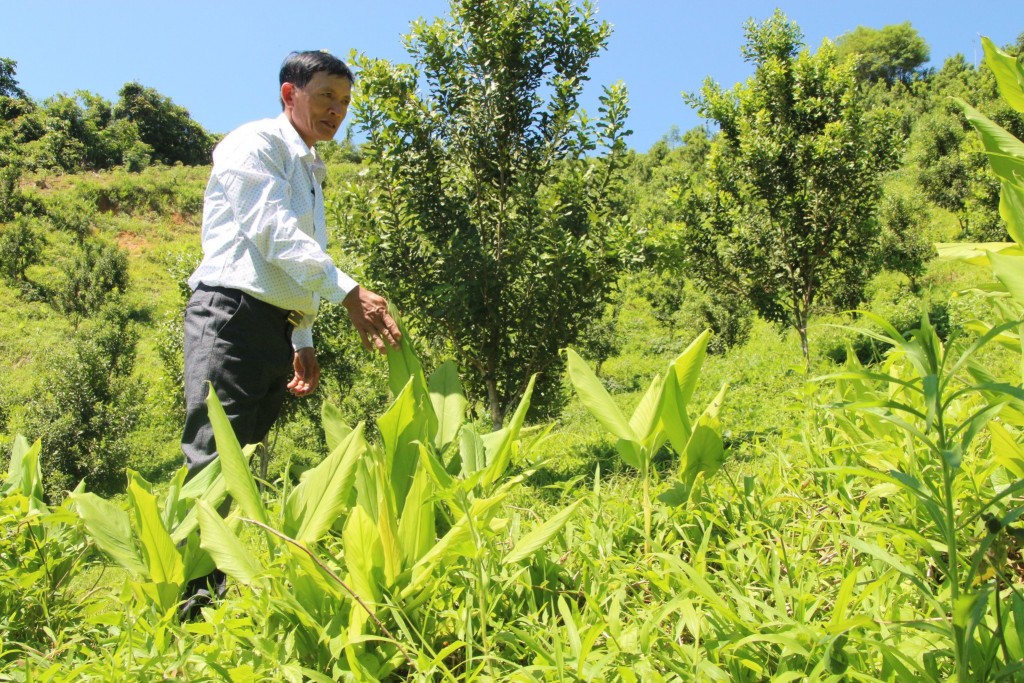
(1009, 74)
(448, 402)
(163, 562)
(111, 530)
(538, 537)
(313, 506)
(233, 463)
(227, 550)
(335, 429)
(595, 397)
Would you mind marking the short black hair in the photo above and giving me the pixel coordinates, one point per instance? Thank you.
(299, 68)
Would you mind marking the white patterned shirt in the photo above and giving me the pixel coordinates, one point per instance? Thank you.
(264, 228)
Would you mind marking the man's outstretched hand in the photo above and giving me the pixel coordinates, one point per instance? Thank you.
(369, 314)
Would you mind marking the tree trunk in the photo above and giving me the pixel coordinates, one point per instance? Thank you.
(801, 328)
(494, 402)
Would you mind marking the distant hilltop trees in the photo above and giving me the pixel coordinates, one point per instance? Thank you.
(86, 132)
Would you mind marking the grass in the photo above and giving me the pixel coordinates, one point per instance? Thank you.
(784, 565)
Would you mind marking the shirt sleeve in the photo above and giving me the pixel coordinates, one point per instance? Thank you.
(302, 335)
(259, 194)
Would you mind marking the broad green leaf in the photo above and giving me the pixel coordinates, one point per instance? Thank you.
(630, 452)
(688, 366)
(403, 365)
(24, 472)
(975, 253)
(313, 588)
(15, 473)
(1009, 74)
(234, 465)
(595, 397)
(198, 562)
(199, 485)
(228, 552)
(674, 420)
(1011, 208)
(471, 450)
(402, 427)
(164, 595)
(537, 538)
(163, 562)
(364, 555)
(313, 506)
(705, 451)
(174, 506)
(448, 402)
(499, 452)
(1005, 152)
(387, 528)
(647, 414)
(111, 530)
(209, 486)
(1009, 270)
(416, 533)
(335, 429)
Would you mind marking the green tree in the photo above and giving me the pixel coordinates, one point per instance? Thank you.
(86, 404)
(97, 273)
(954, 175)
(904, 245)
(166, 127)
(21, 245)
(492, 219)
(893, 53)
(8, 82)
(786, 211)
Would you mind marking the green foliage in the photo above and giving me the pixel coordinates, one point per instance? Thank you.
(86, 404)
(954, 176)
(922, 412)
(489, 217)
(86, 132)
(792, 183)
(73, 216)
(660, 416)
(97, 274)
(165, 127)
(893, 53)
(8, 82)
(21, 246)
(904, 245)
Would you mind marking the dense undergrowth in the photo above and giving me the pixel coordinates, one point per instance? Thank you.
(698, 512)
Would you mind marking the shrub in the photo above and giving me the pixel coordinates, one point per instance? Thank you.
(21, 246)
(86, 405)
(97, 272)
(71, 215)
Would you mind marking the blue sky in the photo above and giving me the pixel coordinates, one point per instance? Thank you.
(220, 59)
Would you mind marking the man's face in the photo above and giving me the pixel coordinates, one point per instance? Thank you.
(317, 109)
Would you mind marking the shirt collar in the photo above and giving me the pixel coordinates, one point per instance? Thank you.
(296, 145)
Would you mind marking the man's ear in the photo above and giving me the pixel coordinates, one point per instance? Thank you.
(288, 94)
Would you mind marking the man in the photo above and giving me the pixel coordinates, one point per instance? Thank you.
(248, 324)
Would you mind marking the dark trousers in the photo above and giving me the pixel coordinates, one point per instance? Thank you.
(243, 347)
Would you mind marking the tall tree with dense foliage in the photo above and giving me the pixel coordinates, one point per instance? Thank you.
(8, 83)
(785, 214)
(492, 219)
(163, 125)
(893, 53)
